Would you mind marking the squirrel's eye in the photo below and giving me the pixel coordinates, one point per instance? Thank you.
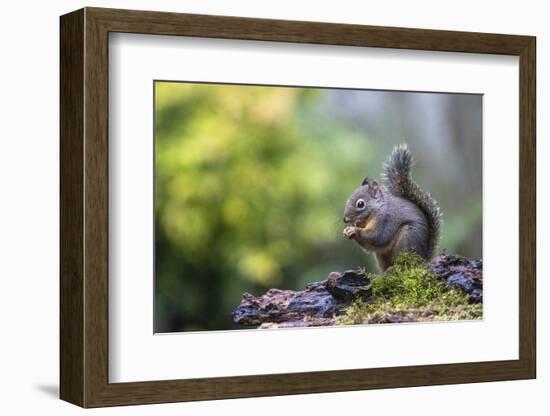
(360, 204)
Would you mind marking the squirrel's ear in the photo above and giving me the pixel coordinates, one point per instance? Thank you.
(374, 189)
(365, 181)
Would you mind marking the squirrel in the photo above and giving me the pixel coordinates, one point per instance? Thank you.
(396, 218)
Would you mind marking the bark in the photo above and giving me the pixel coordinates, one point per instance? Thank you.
(320, 302)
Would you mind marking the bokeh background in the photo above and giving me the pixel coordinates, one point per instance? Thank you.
(251, 182)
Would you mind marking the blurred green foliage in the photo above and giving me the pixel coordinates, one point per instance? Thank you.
(250, 185)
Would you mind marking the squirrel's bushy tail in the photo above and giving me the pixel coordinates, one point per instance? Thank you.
(397, 177)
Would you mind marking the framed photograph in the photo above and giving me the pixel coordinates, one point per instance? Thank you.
(254, 207)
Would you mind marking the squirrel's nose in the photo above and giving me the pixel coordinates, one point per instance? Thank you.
(346, 220)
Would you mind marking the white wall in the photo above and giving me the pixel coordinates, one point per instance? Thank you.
(29, 207)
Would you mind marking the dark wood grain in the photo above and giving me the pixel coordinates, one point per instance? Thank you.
(71, 185)
(96, 218)
(527, 208)
(84, 207)
(226, 27)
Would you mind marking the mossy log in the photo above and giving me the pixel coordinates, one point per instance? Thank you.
(322, 303)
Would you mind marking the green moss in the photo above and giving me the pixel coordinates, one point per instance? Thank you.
(354, 314)
(409, 291)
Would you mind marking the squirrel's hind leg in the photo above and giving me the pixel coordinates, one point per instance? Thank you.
(384, 261)
(410, 238)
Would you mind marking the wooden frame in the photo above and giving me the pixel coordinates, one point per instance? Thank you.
(84, 207)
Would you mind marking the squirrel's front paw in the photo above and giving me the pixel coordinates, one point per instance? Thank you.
(350, 232)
